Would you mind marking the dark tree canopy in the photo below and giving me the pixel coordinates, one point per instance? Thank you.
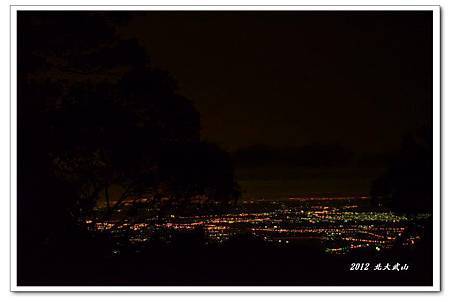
(407, 185)
(94, 113)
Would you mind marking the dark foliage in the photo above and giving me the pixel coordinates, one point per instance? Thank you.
(407, 185)
(93, 113)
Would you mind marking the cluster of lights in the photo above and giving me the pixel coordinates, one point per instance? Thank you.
(339, 228)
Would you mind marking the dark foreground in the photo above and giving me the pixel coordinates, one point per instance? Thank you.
(87, 261)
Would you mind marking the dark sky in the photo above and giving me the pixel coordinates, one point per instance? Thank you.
(359, 80)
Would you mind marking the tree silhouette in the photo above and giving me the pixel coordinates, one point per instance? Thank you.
(407, 185)
(94, 113)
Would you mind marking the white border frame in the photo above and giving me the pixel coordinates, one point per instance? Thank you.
(436, 153)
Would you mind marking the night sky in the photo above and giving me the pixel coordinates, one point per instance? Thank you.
(293, 78)
(359, 80)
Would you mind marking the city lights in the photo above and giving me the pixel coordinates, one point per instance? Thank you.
(339, 224)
